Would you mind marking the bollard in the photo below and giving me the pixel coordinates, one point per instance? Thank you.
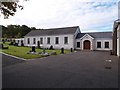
(38, 44)
(71, 50)
(51, 47)
(62, 50)
(33, 49)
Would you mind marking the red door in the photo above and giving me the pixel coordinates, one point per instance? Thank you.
(87, 44)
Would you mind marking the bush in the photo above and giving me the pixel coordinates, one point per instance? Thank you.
(16, 44)
(3, 40)
(11, 43)
(2, 46)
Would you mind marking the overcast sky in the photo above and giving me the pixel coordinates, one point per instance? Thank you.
(89, 15)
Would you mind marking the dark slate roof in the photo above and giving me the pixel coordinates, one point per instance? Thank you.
(96, 35)
(53, 31)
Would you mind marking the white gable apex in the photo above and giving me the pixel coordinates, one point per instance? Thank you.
(86, 36)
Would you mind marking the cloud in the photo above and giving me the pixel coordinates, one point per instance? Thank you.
(90, 15)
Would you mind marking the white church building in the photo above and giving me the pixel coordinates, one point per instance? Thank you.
(69, 37)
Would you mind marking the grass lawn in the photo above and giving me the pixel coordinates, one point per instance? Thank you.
(22, 51)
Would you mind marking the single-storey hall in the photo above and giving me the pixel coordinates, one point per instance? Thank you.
(69, 37)
(20, 41)
(94, 41)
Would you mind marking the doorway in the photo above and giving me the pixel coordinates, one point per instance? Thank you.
(87, 45)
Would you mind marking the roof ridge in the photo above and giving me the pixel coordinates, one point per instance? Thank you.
(54, 31)
(56, 28)
(62, 27)
(100, 32)
(97, 34)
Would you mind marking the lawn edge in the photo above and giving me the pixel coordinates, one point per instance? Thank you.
(14, 56)
(31, 58)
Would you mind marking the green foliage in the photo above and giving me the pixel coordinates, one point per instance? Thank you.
(5, 35)
(20, 52)
(9, 8)
(15, 31)
(18, 35)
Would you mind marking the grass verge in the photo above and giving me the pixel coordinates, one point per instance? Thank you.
(22, 51)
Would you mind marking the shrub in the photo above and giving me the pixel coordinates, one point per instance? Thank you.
(11, 43)
(16, 44)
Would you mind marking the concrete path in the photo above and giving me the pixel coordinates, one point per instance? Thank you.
(83, 69)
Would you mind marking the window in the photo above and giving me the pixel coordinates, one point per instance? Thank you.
(65, 40)
(78, 44)
(106, 44)
(48, 40)
(57, 40)
(98, 44)
(41, 40)
(34, 41)
(28, 40)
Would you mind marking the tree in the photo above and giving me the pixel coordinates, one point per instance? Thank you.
(15, 31)
(4, 31)
(19, 35)
(5, 36)
(9, 8)
(12, 31)
(24, 30)
(33, 28)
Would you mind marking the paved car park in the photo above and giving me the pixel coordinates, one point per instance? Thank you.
(82, 69)
(8, 60)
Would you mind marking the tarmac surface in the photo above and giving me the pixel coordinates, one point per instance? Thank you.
(82, 69)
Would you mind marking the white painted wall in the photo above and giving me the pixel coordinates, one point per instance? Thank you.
(103, 40)
(118, 40)
(77, 31)
(75, 35)
(87, 37)
(52, 41)
(18, 40)
(94, 43)
(91, 43)
(78, 40)
(81, 40)
(118, 48)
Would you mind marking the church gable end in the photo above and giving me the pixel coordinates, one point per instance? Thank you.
(87, 36)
